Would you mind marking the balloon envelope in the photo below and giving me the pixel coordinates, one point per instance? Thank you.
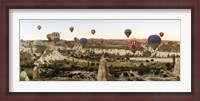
(154, 41)
(133, 45)
(93, 31)
(128, 32)
(71, 29)
(76, 39)
(55, 36)
(83, 40)
(39, 27)
(161, 34)
(49, 37)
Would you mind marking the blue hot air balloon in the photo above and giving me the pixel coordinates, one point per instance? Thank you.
(154, 41)
(83, 40)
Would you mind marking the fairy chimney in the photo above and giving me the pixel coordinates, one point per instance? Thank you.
(35, 72)
(176, 71)
(23, 75)
(103, 71)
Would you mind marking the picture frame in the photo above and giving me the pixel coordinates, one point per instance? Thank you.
(6, 5)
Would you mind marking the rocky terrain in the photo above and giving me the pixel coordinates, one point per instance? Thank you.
(71, 61)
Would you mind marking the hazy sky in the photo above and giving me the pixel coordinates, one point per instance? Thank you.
(107, 29)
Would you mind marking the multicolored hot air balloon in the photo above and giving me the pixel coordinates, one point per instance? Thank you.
(55, 36)
(133, 45)
(154, 41)
(71, 29)
(83, 40)
(161, 34)
(39, 27)
(127, 32)
(93, 31)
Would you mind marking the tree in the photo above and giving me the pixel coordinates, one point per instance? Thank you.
(168, 56)
(127, 58)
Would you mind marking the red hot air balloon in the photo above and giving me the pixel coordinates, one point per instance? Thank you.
(161, 34)
(133, 45)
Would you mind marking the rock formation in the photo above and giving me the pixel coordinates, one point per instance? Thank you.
(23, 75)
(176, 71)
(35, 72)
(27, 78)
(103, 71)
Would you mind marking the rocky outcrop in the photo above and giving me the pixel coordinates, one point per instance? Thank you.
(103, 71)
(176, 71)
(24, 76)
(27, 78)
(49, 55)
(35, 73)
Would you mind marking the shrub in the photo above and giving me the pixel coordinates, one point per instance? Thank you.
(125, 74)
(169, 66)
(157, 71)
(152, 60)
(143, 70)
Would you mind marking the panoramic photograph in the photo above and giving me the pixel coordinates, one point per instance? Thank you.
(99, 50)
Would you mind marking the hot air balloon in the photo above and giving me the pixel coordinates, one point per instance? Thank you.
(154, 41)
(93, 31)
(128, 32)
(55, 36)
(161, 34)
(83, 40)
(76, 39)
(49, 37)
(71, 29)
(133, 45)
(39, 27)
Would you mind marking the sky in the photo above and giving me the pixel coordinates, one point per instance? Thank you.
(106, 29)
